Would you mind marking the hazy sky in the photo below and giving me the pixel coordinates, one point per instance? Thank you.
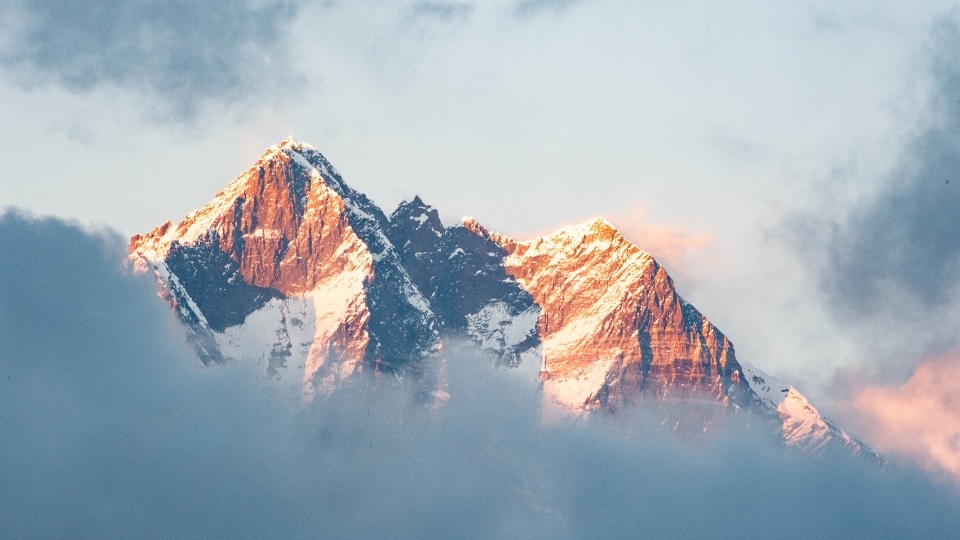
(795, 165)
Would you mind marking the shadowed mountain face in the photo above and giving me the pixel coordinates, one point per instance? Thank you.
(462, 273)
(291, 268)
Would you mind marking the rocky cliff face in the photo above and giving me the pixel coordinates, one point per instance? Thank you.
(613, 329)
(290, 268)
(461, 271)
(288, 265)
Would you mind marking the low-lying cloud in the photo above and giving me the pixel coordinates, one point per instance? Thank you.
(920, 418)
(111, 429)
(177, 55)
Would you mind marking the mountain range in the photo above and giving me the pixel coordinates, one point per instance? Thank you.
(291, 269)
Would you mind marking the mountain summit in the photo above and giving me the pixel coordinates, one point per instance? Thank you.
(290, 268)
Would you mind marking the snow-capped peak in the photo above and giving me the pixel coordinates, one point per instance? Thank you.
(291, 143)
(600, 223)
(596, 228)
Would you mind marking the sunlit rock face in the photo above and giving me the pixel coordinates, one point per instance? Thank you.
(291, 269)
(612, 326)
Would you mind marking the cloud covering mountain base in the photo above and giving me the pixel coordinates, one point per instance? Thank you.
(921, 417)
(111, 429)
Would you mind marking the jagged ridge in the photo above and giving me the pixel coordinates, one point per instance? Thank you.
(291, 267)
(289, 241)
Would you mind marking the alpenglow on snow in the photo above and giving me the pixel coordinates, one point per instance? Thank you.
(290, 268)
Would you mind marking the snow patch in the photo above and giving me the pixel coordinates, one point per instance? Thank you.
(495, 328)
(301, 329)
(341, 298)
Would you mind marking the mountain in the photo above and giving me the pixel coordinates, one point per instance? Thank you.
(290, 268)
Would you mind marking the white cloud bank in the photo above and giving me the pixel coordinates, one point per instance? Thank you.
(109, 429)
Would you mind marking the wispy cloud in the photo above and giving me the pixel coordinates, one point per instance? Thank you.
(920, 418)
(429, 20)
(444, 11)
(890, 267)
(905, 238)
(670, 245)
(178, 55)
(529, 8)
(891, 273)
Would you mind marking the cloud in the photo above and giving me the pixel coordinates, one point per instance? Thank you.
(905, 238)
(180, 55)
(112, 429)
(109, 429)
(530, 8)
(890, 266)
(920, 418)
(670, 245)
(429, 23)
(442, 11)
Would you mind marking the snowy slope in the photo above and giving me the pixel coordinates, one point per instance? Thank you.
(292, 270)
(613, 329)
(803, 426)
